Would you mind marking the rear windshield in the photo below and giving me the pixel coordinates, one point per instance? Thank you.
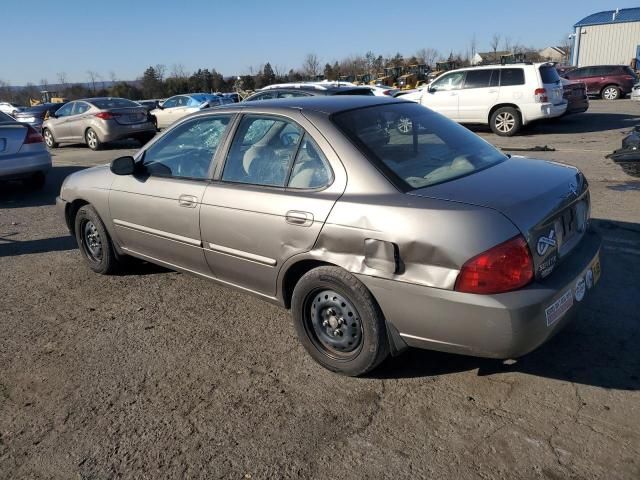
(355, 91)
(549, 74)
(105, 103)
(5, 118)
(416, 147)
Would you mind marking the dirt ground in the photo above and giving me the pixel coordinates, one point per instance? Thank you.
(155, 374)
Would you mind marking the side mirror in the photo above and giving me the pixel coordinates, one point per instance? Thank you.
(432, 90)
(123, 166)
(50, 114)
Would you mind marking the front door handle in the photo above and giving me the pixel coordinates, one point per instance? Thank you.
(302, 219)
(187, 201)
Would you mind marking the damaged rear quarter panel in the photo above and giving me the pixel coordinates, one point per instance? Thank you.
(434, 238)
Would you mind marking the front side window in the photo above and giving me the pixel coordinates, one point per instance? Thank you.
(170, 103)
(66, 110)
(510, 77)
(478, 78)
(286, 94)
(450, 81)
(437, 149)
(262, 151)
(188, 150)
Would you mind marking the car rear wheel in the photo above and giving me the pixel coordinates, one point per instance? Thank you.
(94, 241)
(48, 138)
(144, 139)
(610, 92)
(505, 121)
(339, 322)
(93, 142)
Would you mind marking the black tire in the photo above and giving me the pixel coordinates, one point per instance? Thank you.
(347, 308)
(37, 181)
(154, 120)
(92, 140)
(610, 92)
(90, 230)
(505, 121)
(49, 141)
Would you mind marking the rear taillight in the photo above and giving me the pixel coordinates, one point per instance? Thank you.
(104, 115)
(32, 136)
(503, 268)
(541, 95)
(387, 92)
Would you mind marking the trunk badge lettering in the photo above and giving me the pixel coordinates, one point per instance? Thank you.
(545, 242)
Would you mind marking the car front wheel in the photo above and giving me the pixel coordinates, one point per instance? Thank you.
(339, 322)
(505, 122)
(48, 139)
(610, 92)
(94, 241)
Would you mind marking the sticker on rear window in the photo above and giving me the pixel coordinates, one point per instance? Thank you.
(557, 309)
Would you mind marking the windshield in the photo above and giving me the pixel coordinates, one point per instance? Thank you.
(414, 146)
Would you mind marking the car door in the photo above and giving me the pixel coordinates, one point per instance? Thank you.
(164, 115)
(442, 94)
(156, 212)
(58, 124)
(272, 196)
(77, 121)
(478, 94)
(587, 76)
(512, 81)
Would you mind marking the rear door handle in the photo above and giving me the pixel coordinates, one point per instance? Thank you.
(302, 219)
(187, 201)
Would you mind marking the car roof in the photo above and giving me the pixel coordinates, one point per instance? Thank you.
(328, 104)
(317, 87)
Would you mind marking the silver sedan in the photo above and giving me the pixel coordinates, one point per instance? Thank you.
(96, 121)
(23, 155)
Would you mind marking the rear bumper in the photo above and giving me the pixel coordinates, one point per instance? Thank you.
(114, 131)
(25, 164)
(577, 106)
(507, 325)
(539, 111)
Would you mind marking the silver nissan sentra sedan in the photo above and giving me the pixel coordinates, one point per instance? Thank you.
(375, 240)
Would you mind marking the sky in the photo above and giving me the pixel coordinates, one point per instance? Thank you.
(125, 37)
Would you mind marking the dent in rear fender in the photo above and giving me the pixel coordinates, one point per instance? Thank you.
(432, 238)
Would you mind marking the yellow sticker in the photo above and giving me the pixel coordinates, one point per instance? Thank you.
(596, 270)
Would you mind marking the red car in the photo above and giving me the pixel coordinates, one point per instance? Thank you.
(576, 95)
(609, 82)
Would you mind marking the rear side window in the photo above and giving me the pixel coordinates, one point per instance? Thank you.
(549, 74)
(477, 79)
(511, 76)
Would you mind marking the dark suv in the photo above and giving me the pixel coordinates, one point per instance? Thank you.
(288, 90)
(610, 82)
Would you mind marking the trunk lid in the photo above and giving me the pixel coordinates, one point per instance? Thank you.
(548, 202)
(129, 115)
(12, 137)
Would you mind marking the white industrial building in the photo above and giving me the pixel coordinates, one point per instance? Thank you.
(607, 38)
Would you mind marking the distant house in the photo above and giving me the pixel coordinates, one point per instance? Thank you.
(488, 57)
(555, 54)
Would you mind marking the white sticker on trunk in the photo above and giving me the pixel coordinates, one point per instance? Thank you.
(557, 309)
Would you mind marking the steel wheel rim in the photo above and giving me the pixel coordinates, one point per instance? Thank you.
(610, 93)
(48, 138)
(92, 241)
(92, 139)
(404, 125)
(333, 324)
(505, 122)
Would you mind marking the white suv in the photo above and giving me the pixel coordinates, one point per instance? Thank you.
(505, 97)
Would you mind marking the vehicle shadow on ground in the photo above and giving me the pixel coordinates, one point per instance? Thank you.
(18, 195)
(598, 348)
(117, 145)
(571, 124)
(10, 248)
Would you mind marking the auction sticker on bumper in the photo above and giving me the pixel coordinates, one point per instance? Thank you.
(558, 308)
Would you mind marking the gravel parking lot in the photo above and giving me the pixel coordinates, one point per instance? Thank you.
(155, 374)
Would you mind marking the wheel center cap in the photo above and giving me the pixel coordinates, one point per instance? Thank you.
(333, 321)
